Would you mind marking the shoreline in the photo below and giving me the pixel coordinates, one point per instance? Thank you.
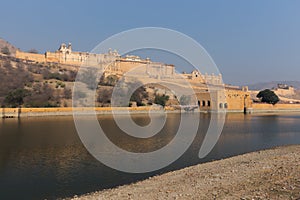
(68, 111)
(266, 174)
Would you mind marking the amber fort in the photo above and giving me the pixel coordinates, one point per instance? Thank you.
(231, 98)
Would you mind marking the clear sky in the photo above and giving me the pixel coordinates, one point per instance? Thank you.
(250, 41)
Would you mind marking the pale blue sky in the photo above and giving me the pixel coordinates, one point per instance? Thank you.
(250, 41)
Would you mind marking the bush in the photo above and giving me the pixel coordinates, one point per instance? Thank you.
(110, 80)
(35, 69)
(13, 78)
(5, 50)
(104, 96)
(33, 51)
(161, 99)
(67, 93)
(69, 76)
(60, 84)
(139, 94)
(15, 98)
(41, 96)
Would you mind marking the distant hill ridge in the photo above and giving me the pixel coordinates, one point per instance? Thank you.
(273, 84)
(12, 48)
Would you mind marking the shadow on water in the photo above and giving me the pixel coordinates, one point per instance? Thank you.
(44, 157)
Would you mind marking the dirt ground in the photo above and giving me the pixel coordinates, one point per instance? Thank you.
(268, 174)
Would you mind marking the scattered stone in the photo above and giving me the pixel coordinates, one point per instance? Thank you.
(269, 174)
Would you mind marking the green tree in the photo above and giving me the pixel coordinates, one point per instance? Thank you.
(104, 96)
(161, 99)
(110, 80)
(41, 95)
(67, 93)
(139, 94)
(5, 50)
(268, 96)
(15, 98)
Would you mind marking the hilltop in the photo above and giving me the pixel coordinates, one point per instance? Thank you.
(12, 49)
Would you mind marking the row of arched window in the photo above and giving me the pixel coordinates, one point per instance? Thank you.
(204, 103)
(223, 105)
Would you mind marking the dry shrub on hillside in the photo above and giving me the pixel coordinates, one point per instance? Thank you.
(41, 95)
(13, 77)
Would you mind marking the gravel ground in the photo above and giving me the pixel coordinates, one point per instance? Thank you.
(268, 174)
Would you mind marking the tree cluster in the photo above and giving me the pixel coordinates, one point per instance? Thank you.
(268, 96)
(13, 78)
(161, 99)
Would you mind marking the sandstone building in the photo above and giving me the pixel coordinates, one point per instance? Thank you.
(284, 90)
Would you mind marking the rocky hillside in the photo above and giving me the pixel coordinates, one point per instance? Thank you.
(273, 84)
(4, 44)
(31, 84)
(34, 85)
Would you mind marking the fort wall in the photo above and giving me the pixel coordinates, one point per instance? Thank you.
(285, 92)
(111, 61)
(231, 100)
(29, 112)
(237, 100)
(264, 107)
(30, 56)
(196, 77)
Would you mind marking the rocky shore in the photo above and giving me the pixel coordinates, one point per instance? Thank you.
(268, 174)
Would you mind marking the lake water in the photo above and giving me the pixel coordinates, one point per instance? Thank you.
(43, 157)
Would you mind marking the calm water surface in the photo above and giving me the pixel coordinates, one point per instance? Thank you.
(43, 158)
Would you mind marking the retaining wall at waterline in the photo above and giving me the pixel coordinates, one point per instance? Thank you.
(264, 107)
(30, 112)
